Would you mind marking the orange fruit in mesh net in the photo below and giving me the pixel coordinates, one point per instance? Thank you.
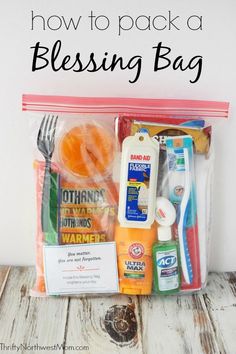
(87, 150)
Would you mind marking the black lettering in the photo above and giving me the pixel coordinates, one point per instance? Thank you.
(134, 62)
(65, 196)
(54, 56)
(37, 56)
(92, 16)
(178, 64)
(90, 196)
(154, 21)
(99, 18)
(145, 18)
(56, 18)
(79, 62)
(159, 56)
(125, 17)
(83, 198)
(94, 64)
(171, 21)
(198, 25)
(55, 52)
(89, 223)
(67, 63)
(72, 196)
(71, 23)
(196, 62)
(76, 199)
(33, 17)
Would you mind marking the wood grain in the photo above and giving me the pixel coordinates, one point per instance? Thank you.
(177, 324)
(30, 320)
(202, 323)
(4, 272)
(106, 324)
(220, 299)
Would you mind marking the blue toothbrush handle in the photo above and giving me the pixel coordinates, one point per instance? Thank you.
(185, 242)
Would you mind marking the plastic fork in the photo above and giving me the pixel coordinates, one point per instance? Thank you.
(46, 145)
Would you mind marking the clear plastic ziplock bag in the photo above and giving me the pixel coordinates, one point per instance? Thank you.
(123, 193)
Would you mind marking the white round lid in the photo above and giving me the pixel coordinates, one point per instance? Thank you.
(165, 213)
(164, 233)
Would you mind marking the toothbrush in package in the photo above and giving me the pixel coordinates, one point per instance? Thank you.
(182, 194)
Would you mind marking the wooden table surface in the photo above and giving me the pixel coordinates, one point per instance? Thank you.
(198, 323)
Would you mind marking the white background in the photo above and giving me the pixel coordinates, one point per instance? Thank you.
(216, 43)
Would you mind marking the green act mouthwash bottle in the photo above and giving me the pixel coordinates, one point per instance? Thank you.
(166, 263)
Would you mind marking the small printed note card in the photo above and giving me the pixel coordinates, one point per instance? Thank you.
(83, 268)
